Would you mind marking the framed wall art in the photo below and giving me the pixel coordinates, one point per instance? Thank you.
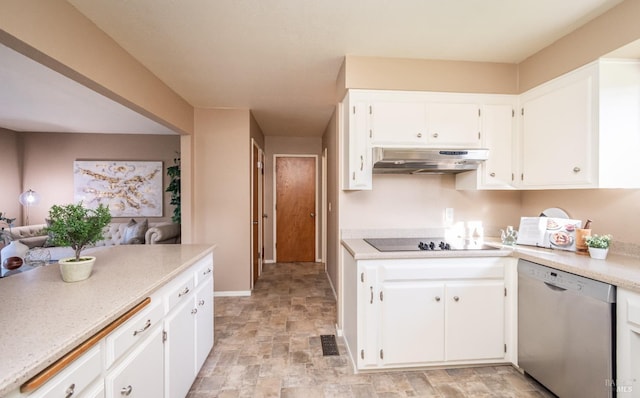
(128, 188)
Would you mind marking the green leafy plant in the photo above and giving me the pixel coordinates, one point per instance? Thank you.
(598, 241)
(174, 187)
(77, 226)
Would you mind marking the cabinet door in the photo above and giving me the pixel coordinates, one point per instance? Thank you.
(368, 316)
(140, 374)
(497, 135)
(475, 320)
(359, 150)
(180, 351)
(557, 135)
(399, 123)
(412, 322)
(453, 125)
(204, 321)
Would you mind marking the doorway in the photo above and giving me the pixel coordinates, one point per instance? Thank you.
(257, 212)
(295, 208)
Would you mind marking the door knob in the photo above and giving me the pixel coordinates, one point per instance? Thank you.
(312, 214)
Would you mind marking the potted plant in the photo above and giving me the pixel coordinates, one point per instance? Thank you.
(77, 226)
(598, 245)
(174, 187)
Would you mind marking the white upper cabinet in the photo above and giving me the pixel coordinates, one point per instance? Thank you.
(405, 119)
(498, 131)
(354, 115)
(581, 130)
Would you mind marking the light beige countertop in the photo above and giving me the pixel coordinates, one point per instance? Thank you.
(618, 270)
(42, 318)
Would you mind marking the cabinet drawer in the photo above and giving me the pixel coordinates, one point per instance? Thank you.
(134, 330)
(437, 269)
(179, 290)
(204, 270)
(75, 378)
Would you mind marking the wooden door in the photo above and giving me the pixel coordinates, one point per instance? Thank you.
(295, 209)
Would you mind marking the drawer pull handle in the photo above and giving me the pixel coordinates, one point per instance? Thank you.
(126, 391)
(201, 302)
(70, 391)
(208, 271)
(456, 298)
(183, 292)
(146, 326)
(371, 301)
(437, 298)
(492, 174)
(194, 311)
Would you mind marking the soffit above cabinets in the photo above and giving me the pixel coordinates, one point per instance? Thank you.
(36, 98)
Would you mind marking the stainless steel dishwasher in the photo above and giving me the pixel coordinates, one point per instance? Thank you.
(566, 331)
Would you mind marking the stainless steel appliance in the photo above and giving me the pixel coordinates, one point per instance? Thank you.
(566, 327)
(426, 160)
(427, 244)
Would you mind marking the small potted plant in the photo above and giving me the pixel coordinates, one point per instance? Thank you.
(598, 245)
(77, 226)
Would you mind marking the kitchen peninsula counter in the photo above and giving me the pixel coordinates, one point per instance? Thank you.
(618, 270)
(42, 318)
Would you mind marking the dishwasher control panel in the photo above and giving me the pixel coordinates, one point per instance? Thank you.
(561, 280)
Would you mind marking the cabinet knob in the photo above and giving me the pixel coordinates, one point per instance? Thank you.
(435, 135)
(456, 298)
(419, 135)
(184, 291)
(194, 311)
(576, 169)
(492, 174)
(126, 391)
(70, 391)
(437, 298)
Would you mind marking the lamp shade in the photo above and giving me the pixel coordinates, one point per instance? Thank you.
(29, 198)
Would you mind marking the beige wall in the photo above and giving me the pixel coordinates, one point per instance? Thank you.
(275, 145)
(429, 75)
(612, 30)
(55, 34)
(613, 211)
(48, 163)
(10, 166)
(222, 194)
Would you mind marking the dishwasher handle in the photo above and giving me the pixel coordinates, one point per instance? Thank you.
(554, 287)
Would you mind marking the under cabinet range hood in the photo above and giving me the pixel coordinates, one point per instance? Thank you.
(426, 160)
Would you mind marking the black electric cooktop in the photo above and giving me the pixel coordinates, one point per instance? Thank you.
(426, 244)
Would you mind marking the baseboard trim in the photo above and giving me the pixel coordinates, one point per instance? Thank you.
(268, 262)
(233, 293)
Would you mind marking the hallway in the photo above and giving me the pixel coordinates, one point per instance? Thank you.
(268, 345)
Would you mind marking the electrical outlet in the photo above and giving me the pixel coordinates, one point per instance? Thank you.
(448, 216)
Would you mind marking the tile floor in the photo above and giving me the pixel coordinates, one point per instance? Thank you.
(268, 345)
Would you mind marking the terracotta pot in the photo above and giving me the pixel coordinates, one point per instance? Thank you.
(75, 271)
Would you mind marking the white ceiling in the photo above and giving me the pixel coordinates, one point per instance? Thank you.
(280, 58)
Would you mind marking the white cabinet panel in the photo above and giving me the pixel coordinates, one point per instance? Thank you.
(454, 125)
(357, 148)
(399, 123)
(475, 320)
(558, 134)
(204, 321)
(139, 375)
(368, 317)
(412, 323)
(180, 349)
(628, 343)
(75, 378)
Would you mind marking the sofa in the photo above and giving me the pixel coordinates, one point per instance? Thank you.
(114, 234)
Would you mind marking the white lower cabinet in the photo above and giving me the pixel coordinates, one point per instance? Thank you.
(428, 312)
(627, 383)
(138, 374)
(156, 353)
(180, 349)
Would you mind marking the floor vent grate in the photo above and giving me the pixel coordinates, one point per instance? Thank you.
(329, 345)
